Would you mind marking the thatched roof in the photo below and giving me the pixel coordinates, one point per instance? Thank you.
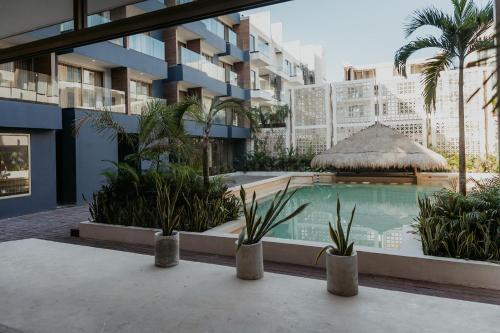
(379, 147)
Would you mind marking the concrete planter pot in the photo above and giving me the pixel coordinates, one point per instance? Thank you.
(342, 274)
(250, 262)
(166, 250)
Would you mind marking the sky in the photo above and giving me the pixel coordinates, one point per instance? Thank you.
(357, 32)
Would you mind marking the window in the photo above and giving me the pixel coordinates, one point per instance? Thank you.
(252, 43)
(14, 165)
(253, 78)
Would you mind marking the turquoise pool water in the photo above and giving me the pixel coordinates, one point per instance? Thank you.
(381, 212)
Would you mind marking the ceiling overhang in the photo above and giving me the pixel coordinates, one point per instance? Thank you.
(163, 18)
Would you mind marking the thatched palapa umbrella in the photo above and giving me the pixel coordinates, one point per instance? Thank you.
(379, 147)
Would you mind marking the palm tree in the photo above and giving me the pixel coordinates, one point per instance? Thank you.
(461, 34)
(160, 132)
(206, 115)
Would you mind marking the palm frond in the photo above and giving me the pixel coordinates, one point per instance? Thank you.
(406, 51)
(430, 77)
(428, 17)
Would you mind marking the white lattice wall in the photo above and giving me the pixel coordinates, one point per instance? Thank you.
(444, 120)
(323, 115)
(311, 118)
(273, 139)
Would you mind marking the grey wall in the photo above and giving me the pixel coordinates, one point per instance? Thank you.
(43, 175)
(87, 155)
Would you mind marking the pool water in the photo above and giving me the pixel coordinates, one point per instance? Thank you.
(381, 212)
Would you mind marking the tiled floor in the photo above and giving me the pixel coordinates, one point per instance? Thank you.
(55, 225)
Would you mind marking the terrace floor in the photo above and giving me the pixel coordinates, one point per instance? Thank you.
(55, 225)
(54, 287)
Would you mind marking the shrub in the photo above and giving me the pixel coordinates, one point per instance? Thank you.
(130, 198)
(457, 226)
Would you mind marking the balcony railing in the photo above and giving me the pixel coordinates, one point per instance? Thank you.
(140, 103)
(147, 45)
(214, 27)
(231, 77)
(92, 21)
(263, 48)
(232, 37)
(28, 86)
(85, 96)
(197, 61)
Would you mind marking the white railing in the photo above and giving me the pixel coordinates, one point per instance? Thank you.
(29, 86)
(85, 96)
(147, 45)
(140, 103)
(197, 61)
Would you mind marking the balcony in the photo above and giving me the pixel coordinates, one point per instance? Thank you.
(28, 86)
(197, 61)
(147, 45)
(214, 27)
(263, 95)
(139, 103)
(85, 96)
(232, 37)
(92, 21)
(261, 55)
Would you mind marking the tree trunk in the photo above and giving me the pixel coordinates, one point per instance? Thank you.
(462, 176)
(204, 157)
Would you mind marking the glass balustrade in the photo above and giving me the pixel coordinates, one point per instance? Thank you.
(232, 78)
(92, 21)
(86, 96)
(263, 48)
(139, 103)
(232, 37)
(197, 61)
(29, 86)
(147, 45)
(214, 27)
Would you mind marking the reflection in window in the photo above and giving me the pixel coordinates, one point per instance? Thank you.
(14, 164)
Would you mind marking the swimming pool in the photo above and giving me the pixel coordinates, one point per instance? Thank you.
(381, 212)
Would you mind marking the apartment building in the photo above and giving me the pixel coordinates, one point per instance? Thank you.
(276, 67)
(323, 115)
(45, 163)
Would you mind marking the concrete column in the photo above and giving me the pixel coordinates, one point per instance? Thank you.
(118, 14)
(120, 80)
(171, 48)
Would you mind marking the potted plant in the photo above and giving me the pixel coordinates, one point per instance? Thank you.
(167, 240)
(249, 258)
(341, 260)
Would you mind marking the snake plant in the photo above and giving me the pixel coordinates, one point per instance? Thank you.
(341, 241)
(259, 226)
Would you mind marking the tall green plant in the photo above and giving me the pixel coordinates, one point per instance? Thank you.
(166, 204)
(457, 226)
(160, 131)
(341, 246)
(207, 115)
(257, 227)
(461, 34)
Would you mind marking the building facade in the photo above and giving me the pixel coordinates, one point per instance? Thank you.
(277, 67)
(323, 115)
(44, 163)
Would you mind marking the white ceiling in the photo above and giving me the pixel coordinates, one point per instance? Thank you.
(21, 16)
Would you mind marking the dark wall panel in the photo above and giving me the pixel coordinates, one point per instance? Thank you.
(43, 175)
